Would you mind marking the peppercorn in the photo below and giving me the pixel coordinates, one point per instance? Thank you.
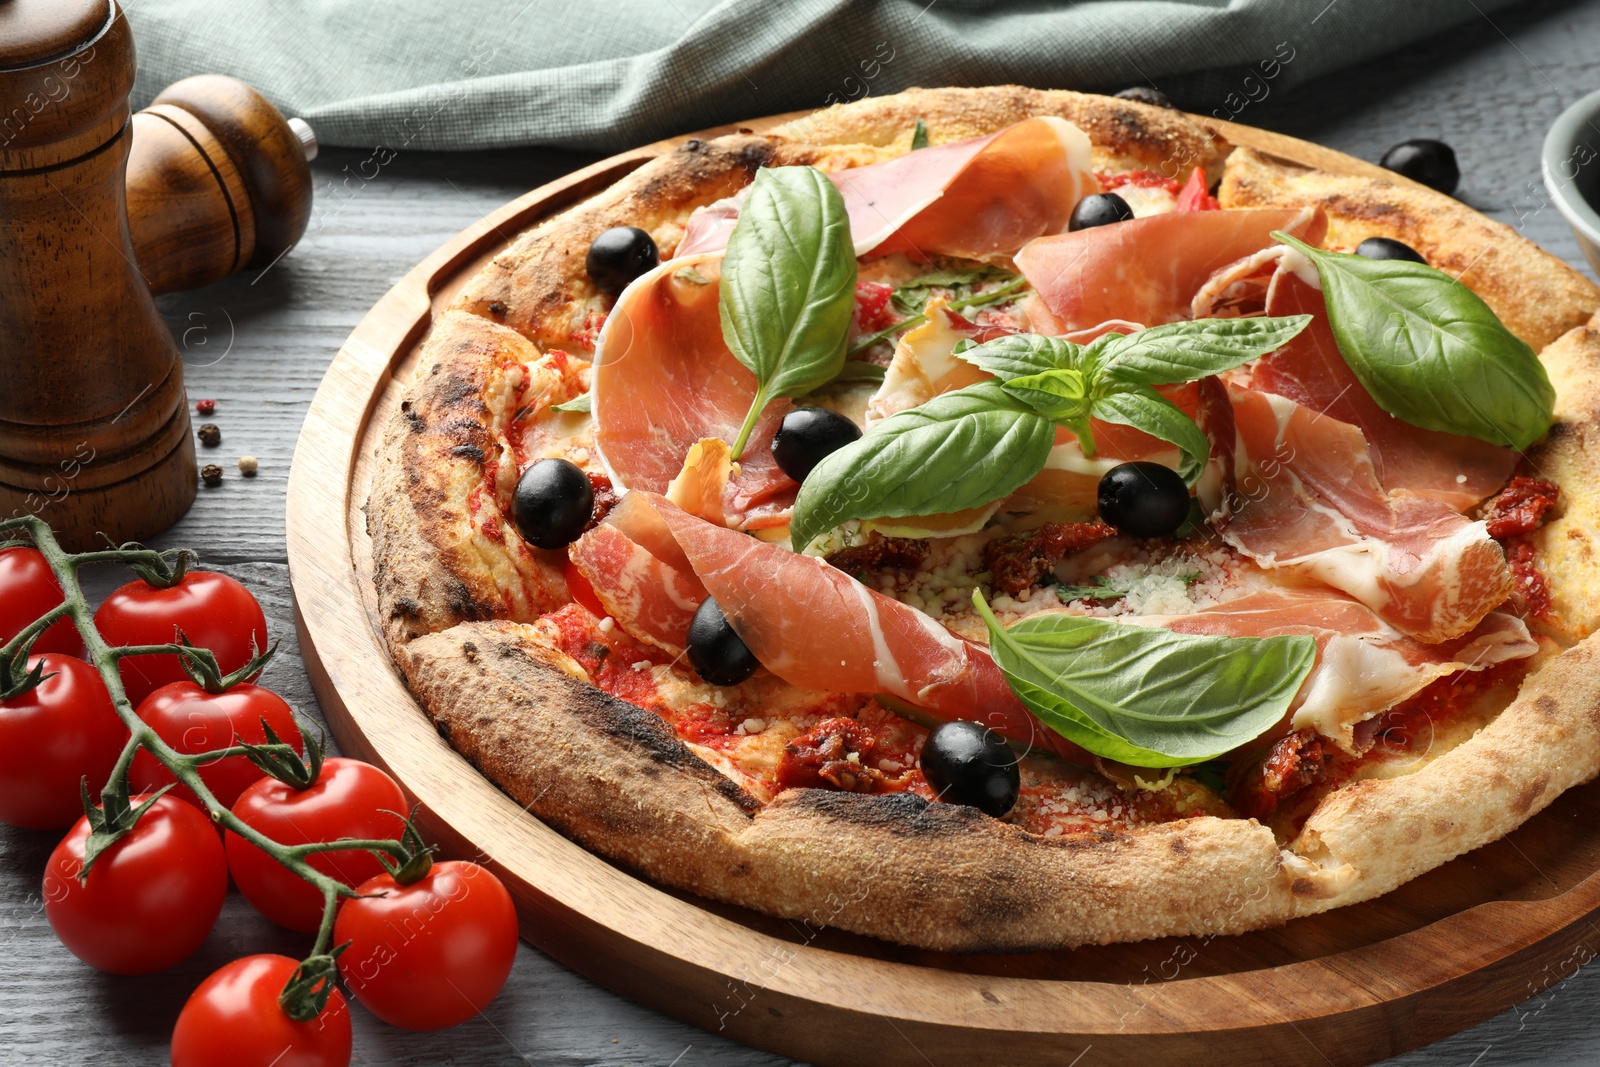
(248, 466)
(211, 474)
(205, 407)
(210, 436)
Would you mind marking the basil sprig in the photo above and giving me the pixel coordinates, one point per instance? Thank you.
(788, 286)
(1144, 695)
(961, 449)
(1430, 351)
(949, 454)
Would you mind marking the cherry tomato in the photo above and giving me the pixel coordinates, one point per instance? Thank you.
(53, 736)
(192, 720)
(28, 589)
(151, 898)
(233, 1020)
(211, 609)
(430, 954)
(348, 799)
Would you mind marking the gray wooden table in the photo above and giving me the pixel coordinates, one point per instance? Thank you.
(258, 345)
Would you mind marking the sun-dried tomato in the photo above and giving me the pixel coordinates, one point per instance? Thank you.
(1019, 562)
(831, 755)
(1521, 507)
(1293, 763)
(898, 553)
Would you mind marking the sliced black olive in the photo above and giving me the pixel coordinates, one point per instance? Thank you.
(552, 504)
(807, 436)
(1144, 94)
(1433, 163)
(716, 653)
(1144, 499)
(968, 763)
(620, 255)
(1099, 209)
(1388, 248)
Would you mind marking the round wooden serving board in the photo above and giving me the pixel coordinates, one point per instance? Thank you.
(1469, 940)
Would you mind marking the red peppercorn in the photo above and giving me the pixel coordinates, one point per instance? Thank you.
(205, 407)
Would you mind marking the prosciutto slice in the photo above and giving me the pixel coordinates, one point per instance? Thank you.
(664, 380)
(1458, 471)
(1305, 496)
(1364, 665)
(639, 574)
(1147, 270)
(993, 194)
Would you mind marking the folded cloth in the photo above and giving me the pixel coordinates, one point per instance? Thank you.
(458, 74)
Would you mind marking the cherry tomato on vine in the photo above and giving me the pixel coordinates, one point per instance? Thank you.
(233, 1020)
(192, 720)
(151, 898)
(28, 589)
(51, 737)
(349, 799)
(211, 609)
(430, 954)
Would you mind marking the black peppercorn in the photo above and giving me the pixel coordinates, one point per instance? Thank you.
(211, 474)
(210, 436)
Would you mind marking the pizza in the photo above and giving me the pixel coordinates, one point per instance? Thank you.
(997, 519)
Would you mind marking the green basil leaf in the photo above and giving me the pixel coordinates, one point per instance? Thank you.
(788, 286)
(577, 403)
(919, 135)
(1102, 589)
(1144, 695)
(911, 297)
(1145, 409)
(959, 450)
(1022, 355)
(1430, 351)
(1062, 395)
(1186, 351)
(857, 370)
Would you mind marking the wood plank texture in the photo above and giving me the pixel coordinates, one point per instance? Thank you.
(259, 345)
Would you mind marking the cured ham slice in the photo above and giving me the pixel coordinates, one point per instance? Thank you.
(1458, 471)
(639, 574)
(818, 628)
(1306, 497)
(1364, 666)
(993, 195)
(664, 380)
(1148, 270)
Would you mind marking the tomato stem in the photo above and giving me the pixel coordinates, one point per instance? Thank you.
(166, 568)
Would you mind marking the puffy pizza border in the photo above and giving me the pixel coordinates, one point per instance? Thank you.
(618, 780)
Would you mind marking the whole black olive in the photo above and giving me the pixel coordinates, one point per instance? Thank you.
(620, 255)
(716, 653)
(1433, 163)
(968, 763)
(1099, 209)
(1144, 94)
(1144, 499)
(552, 504)
(807, 436)
(1388, 248)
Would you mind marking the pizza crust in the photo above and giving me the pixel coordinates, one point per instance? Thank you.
(617, 779)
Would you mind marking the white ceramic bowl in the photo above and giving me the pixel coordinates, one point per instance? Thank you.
(1571, 167)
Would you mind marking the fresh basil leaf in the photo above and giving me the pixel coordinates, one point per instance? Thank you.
(1145, 409)
(1143, 695)
(1062, 395)
(1022, 355)
(578, 403)
(788, 286)
(1186, 351)
(960, 450)
(911, 297)
(919, 135)
(856, 370)
(1102, 589)
(1430, 351)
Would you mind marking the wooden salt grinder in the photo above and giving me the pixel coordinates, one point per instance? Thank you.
(94, 428)
(218, 181)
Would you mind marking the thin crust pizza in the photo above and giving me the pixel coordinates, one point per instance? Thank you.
(996, 519)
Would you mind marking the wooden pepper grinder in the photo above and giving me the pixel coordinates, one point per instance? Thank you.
(218, 181)
(94, 428)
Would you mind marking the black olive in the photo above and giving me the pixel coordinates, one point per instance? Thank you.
(1144, 94)
(808, 436)
(1099, 209)
(716, 653)
(618, 256)
(1433, 163)
(553, 503)
(1144, 499)
(1388, 248)
(968, 763)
